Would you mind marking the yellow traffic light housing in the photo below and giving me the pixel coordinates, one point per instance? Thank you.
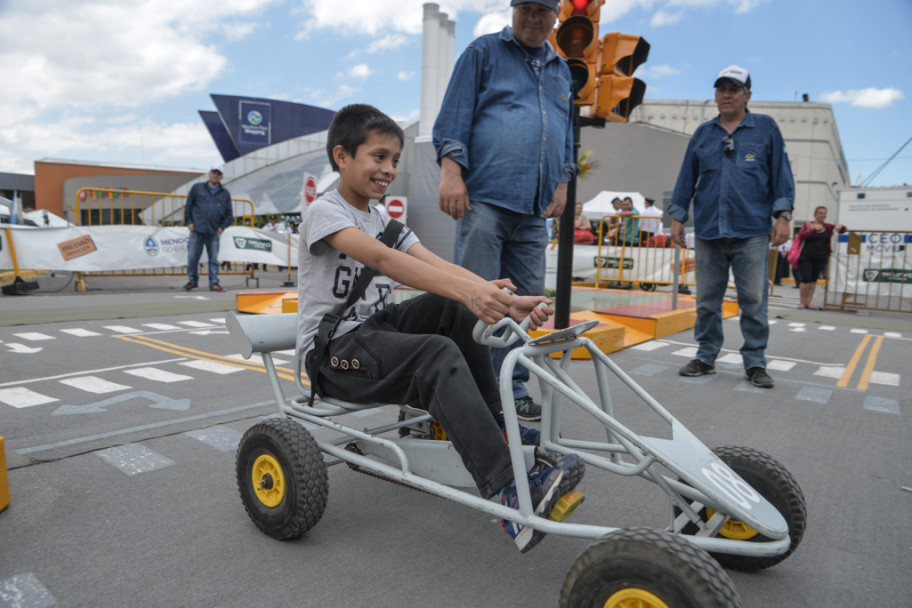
(618, 91)
(576, 40)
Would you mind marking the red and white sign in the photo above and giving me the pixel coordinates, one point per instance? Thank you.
(310, 188)
(396, 207)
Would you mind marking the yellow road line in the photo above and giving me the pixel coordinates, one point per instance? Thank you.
(204, 356)
(869, 365)
(850, 368)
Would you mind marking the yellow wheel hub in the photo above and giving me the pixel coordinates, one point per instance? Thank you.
(634, 598)
(268, 480)
(734, 528)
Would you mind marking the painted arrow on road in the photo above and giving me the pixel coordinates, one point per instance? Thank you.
(159, 402)
(22, 349)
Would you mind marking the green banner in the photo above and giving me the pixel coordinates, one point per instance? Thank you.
(887, 275)
(243, 242)
(612, 262)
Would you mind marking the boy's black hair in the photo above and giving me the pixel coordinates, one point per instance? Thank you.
(354, 124)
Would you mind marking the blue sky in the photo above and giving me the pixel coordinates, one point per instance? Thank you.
(121, 81)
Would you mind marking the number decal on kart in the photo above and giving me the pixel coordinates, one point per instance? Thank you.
(731, 485)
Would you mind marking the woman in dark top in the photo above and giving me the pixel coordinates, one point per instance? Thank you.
(815, 237)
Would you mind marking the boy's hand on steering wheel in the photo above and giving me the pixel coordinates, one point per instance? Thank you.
(527, 306)
(489, 302)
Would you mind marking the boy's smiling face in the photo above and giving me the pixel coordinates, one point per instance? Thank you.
(366, 175)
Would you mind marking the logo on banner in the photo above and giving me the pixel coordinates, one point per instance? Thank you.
(78, 247)
(243, 242)
(151, 247)
(254, 117)
(612, 262)
(887, 275)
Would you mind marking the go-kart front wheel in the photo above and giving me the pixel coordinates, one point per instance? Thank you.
(646, 568)
(282, 478)
(774, 482)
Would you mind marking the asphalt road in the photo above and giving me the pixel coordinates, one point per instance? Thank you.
(121, 428)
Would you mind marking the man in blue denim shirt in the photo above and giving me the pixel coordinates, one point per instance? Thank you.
(207, 213)
(504, 141)
(737, 173)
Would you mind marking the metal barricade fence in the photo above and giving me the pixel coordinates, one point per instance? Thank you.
(628, 255)
(870, 270)
(108, 206)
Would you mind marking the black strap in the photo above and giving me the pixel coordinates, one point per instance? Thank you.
(330, 321)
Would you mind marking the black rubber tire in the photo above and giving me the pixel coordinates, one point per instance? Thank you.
(774, 482)
(667, 570)
(293, 449)
(648, 286)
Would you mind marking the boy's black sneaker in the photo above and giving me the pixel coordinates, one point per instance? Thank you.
(758, 377)
(696, 368)
(554, 495)
(190, 286)
(526, 409)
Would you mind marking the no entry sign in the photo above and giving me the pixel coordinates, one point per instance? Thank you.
(396, 207)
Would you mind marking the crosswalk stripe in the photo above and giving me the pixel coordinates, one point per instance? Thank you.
(195, 324)
(80, 333)
(94, 384)
(34, 336)
(20, 397)
(158, 375)
(123, 329)
(161, 326)
(209, 366)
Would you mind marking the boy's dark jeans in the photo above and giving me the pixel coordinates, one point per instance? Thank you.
(422, 351)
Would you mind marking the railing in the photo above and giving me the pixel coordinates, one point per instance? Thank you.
(109, 206)
(629, 255)
(870, 270)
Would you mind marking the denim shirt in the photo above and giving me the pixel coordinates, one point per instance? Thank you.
(511, 132)
(734, 195)
(207, 211)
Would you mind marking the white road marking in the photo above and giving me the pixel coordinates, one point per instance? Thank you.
(20, 397)
(779, 365)
(161, 326)
(34, 336)
(80, 333)
(830, 371)
(886, 378)
(215, 368)
(690, 352)
(827, 328)
(94, 384)
(195, 324)
(650, 346)
(858, 330)
(123, 329)
(158, 375)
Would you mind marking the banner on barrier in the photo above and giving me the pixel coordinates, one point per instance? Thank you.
(126, 247)
(873, 264)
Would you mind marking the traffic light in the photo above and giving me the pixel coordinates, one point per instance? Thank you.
(618, 91)
(576, 40)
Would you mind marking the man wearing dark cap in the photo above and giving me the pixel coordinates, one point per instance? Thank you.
(207, 213)
(504, 141)
(736, 173)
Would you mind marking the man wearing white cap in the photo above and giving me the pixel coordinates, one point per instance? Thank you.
(207, 213)
(504, 140)
(736, 173)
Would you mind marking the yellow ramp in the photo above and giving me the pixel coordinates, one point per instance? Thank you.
(264, 302)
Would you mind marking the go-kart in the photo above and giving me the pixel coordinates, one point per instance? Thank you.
(733, 506)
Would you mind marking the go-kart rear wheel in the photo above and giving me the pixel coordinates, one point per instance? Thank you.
(282, 478)
(648, 286)
(645, 568)
(773, 481)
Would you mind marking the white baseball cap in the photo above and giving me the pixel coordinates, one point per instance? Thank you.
(219, 168)
(736, 74)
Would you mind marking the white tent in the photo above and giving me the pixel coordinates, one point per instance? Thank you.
(44, 218)
(601, 204)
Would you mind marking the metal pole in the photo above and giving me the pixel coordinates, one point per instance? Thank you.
(565, 241)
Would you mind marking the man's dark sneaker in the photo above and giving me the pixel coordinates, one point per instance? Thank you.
(528, 436)
(758, 377)
(554, 495)
(190, 286)
(216, 287)
(527, 409)
(696, 368)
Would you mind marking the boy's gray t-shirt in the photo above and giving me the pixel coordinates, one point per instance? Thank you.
(326, 276)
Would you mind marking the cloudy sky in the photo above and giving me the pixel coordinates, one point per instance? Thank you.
(122, 81)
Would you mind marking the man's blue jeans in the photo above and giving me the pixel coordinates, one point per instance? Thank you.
(195, 245)
(747, 259)
(495, 243)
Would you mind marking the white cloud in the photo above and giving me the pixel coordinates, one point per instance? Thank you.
(406, 75)
(361, 71)
(662, 17)
(390, 41)
(492, 22)
(657, 71)
(864, 98)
